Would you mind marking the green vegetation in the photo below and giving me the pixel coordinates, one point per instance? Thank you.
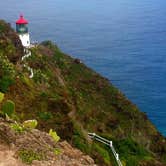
(101, 153)
(25, 126)
(57, 151)
(28, 156)
(17, 127)
(70, 98)
(45, 115)
(42, 145)
(54, 135)
(30, 124)
(8, 108)
(131, 152)
(1, 97)
(5, 83)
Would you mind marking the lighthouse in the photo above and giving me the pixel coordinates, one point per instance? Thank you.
(22, 31)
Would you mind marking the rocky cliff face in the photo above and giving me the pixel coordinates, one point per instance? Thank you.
(10, 44)
(72, 99)
(17, 149)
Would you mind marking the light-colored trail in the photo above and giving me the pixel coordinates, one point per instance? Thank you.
(7, 157)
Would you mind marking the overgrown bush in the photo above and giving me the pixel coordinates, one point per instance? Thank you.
(39, 76)
(130, 151)
(7, 68)
(101, 153)
(17, 127)
(30, 124)
(27, 125)
(45, 115)
(2, 26)
(7, 73)
(5, 82)
(28, 156)
(80, 143)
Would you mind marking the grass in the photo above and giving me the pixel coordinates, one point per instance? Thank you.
(101, 153)
(131, 152)
(27, 156)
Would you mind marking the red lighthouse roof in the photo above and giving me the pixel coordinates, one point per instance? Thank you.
(21, 20)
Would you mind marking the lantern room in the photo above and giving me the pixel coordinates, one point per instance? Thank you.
(21, 25)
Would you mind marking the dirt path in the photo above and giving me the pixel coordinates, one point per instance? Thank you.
(7, 157)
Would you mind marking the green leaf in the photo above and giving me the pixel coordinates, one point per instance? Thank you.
(31, 124)
(1, 96)
(54, 135)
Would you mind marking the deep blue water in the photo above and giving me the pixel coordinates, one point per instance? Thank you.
(123, 40)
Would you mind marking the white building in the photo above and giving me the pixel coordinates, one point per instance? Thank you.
(22, 31)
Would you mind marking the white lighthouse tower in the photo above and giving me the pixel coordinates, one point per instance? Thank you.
(22, 30)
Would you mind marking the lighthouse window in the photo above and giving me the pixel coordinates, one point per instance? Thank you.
(21, 28)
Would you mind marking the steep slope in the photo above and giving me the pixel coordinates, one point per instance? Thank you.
(10, 44)
(69, 97)
(36, 148)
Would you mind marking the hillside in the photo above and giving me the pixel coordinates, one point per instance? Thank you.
(36, 148)
(72, 99)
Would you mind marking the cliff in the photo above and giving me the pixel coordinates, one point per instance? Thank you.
(37, 149)
(72, 99)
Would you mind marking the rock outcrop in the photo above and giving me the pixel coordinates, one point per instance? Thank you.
(13, 144)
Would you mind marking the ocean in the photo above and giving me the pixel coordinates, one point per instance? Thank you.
(124, 41)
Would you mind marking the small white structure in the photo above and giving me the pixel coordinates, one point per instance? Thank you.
(22, 31)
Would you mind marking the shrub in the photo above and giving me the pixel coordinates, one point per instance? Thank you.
(45, 115)
(102, 152)
(132, 161)
(39, 76)
(131, 152)
(8, 108)
(28, 156)
(80, 143)
(128, 146)
(17, 127)
(5, 82)
(2, 27)
(30, 124)
(50, 45)
(7, 68)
